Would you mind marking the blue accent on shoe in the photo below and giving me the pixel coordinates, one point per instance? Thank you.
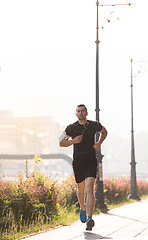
(83, 216)
(90, 224)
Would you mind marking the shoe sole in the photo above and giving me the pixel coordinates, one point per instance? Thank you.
(83, 221)
(90, 224)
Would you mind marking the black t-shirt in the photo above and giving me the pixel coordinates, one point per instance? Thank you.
(84, 150)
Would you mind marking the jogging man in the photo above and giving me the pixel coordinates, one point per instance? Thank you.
(81, 135)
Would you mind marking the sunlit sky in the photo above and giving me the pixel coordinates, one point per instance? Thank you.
(48, 55)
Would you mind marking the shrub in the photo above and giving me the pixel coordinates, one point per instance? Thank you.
(142, 187)
(116, 190)
(27, 201)
(39, 199)
(67, 195)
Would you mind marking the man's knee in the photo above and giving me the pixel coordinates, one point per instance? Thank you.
(81, 187)
(90, 185)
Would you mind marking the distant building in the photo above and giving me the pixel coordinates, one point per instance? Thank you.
(28, 135)
(31, 135)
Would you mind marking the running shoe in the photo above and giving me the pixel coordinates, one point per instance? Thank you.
(83, 216)
(90, 224)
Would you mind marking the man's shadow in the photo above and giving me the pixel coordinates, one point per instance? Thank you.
(89, 236)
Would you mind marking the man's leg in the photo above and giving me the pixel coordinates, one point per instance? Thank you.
(81, 199)
(81, 194)
(90, 201)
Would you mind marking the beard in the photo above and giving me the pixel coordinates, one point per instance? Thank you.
(82, 118)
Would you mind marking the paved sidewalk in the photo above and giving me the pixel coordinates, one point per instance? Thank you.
(127, 222)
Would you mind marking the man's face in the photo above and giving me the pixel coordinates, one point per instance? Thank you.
(81, 113)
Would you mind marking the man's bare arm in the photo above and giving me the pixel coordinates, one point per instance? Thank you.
(66, 142)
(103, 132)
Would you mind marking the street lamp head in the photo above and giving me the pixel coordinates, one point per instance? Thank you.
(97, 2)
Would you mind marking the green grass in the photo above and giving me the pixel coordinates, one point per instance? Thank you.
(65, 217)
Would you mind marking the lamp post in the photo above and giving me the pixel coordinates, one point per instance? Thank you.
(133, 184)
(100, 191)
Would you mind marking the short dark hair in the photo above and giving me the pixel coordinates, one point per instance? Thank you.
(82, 105)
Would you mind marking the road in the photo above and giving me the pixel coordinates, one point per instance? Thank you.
(127, 222)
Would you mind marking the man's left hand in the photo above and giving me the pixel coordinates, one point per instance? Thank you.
(97, 146)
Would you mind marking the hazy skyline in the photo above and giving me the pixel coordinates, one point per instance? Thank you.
(47, 59)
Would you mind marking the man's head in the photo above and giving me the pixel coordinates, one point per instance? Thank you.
(81, 112)
(81, 105)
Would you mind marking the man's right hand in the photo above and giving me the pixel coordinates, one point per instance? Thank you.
(67, 142)
(78, 139)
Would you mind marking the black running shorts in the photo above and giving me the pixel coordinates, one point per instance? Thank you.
(83, 171)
